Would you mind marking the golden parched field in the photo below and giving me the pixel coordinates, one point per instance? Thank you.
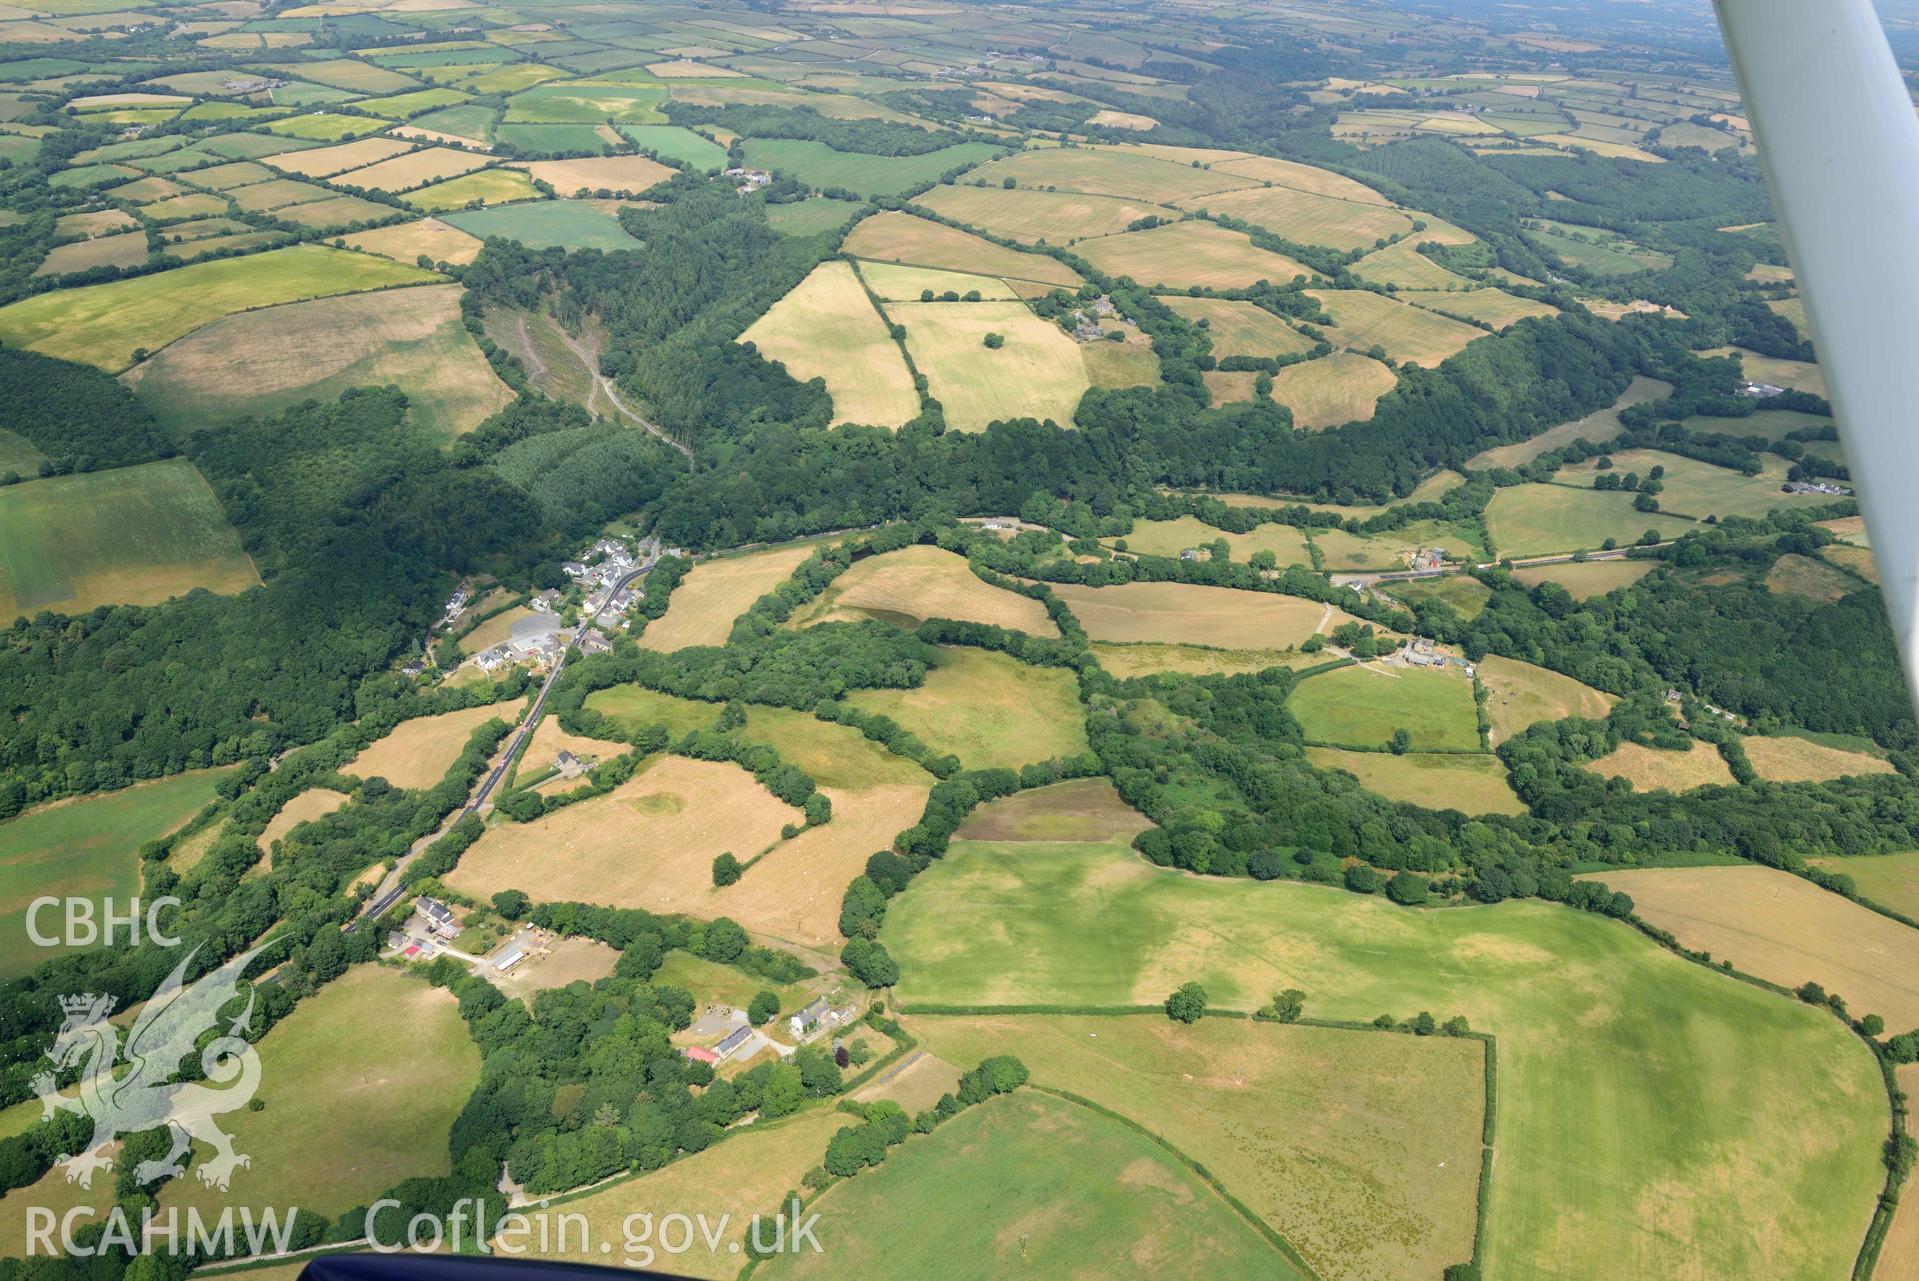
(1149, 658)
(648, 843)
(1519, 695)
(1785, 929)
(614, 173)
(1649, 769)
(715, 592)
(317, 802)
(419, 752)
(1361, 1149)
(895, 282)
(1290, 173)
(413, 169)
(900, 237)
(1787, 759)
(1037, 373)
(1080, 809)
(914, 584)
(324, 162)
(1170, 537)
(1186, 613)
(1306, 218)
(1241, 328)
(1494, 306)
(1333, 390)
(260, 362)
(1106, 171)
(1052, 217)
(827, 328)
(1181, 254)
(744, 1176)
(1588, 579)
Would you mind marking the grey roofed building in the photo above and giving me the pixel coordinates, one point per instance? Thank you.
(734, 1040)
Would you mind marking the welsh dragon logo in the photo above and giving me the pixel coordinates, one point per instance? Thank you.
(130, 1088)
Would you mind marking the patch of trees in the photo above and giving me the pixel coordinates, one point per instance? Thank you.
(884, 1124)
(80, 418)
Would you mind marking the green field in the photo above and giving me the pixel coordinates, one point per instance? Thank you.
(127, 536)
(360, 1084)
(1362, 705)
(1360, 1148)
(584, 102)
(1037, 373)
(670, 142)
(1615, 1120)
(488, 186)
(1888, 879)
(106, 324)
(1466, 594)
(1393, 550)
(818, 165)
(989, 710)
(1431, 780)
(1171, 537)
(811, 216)
(835, 755)
(1536, 520)
(469, 121)
(1698, 489)
(86, 848)
(542, 224)
(326, 126)
(635, 707)
(539, 140)
(1033, 1185)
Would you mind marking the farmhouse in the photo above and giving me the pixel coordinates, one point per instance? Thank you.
(438, 916)
(569, 765)
(807, 1018)
(733, 1041)
(546, 602)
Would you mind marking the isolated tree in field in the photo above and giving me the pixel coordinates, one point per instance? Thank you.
(995, 341)
(1187, 1004)
(726, 869)
(1402, 741)
(765, 1005)
(1287, 1006)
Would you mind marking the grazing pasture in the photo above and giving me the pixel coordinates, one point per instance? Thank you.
(1537, 520)
(1436, 781)
(1891, 879)
(495, 187)
(1037, 217)
(264, 197)
(1306, 218)
(811, 216)
(1401, 264)
(1361, 1149)
(1080, 809)
(125, 536)
(1171, 537)
(671, 142)
(324, 162)
(418, 753)
(86, 848)
(325, 126)
(1785, 758)
(649, 843)
(1494, 306)
(1466, 595)
(1362, 705)
(744, 1176)
(538, 224)
(1181, 254)
(1365, 320)
(634, 707)
(891, 236)
(990, 710)
(1587, 580)
(105, 325)
(827, 328)
(1785, 929)
(1241, 328)
(837, 756)
(587, 102)
(1694, 488)
(1597, 427)
(128, 249)
(1036, 373)
(260, 362)
(1185, 613)
(893, 282)
(1809, 579)
(1333, 390)
(348, 1111)
(1047, 1166)
(340, 211)
(1394, 549)
(820, 166)
(717, 591)
(911, 585)
(1299, 177)
(1149, 658)
(1519, 695)
(1654, 769)
(1612, 1051)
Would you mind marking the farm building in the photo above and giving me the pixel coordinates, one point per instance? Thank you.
(808, 1016)
(733, 1041)
(438, 916)
(700, 1054)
